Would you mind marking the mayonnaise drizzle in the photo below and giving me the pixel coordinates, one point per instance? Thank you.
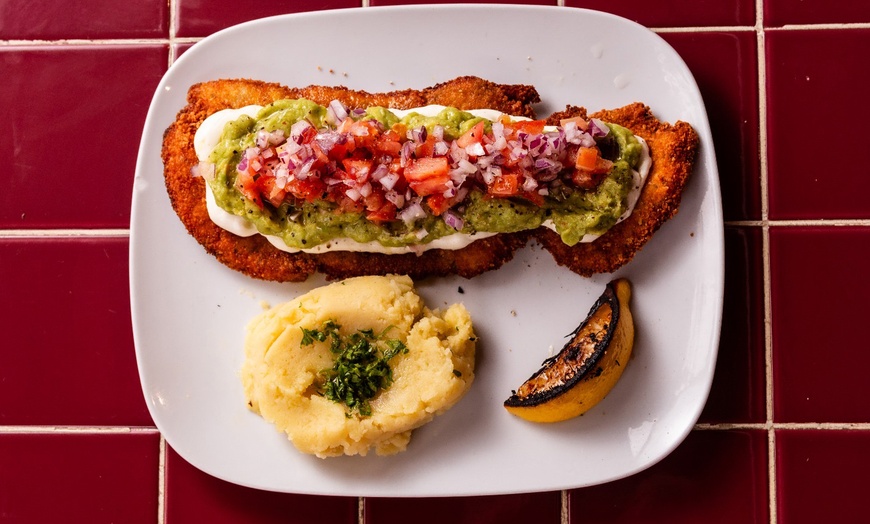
(208, 135)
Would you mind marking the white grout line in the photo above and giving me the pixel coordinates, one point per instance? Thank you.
(161, 482)
(69, 430)
(36, 233)
(564, 513)
(813, 27)
(765, 254)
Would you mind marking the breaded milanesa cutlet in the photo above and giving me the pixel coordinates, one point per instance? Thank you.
(255, 256)
(673, 149)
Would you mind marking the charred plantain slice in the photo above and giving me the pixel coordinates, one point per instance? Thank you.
(586, 369)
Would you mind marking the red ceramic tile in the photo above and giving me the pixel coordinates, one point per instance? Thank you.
(815, 87)
(68, 356)
(738, 393)
(712, 477)
(58, 19)
(179, 49)
(782, 12)
(819, 290)
(200, 18)
(822, 476)
(540, 508)
(72, 121)
(71, 477)
(677, 13)
(725, 66)
(193, 496)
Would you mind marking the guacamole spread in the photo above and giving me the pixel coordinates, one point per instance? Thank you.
(308, 174)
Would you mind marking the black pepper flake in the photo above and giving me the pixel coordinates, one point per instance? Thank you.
(461, 291)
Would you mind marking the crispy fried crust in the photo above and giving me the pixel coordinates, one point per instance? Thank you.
(254, 256)
(673, 149)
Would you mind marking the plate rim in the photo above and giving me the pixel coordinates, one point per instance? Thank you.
(715, 286)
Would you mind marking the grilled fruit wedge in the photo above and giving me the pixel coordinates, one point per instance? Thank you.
(586, 369)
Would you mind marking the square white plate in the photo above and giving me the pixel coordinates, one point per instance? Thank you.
(189, 311)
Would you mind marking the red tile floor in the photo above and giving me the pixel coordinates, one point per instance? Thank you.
(784, 438)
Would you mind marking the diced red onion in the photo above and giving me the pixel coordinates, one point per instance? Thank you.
(389, 180)
(475, 149)
(394, 197)
(497, 130)
(353, 194)
(303, 171)
(405, 153)
(438, 132)
(276, 137)
(282, 176)
(297, 129)
(418, 134)
(328, 139)
(380, 172)
(529, 184)
(597, 128)
(441, 148)
(262, 139)
(335, 112)
(453, 220)
(466, 167)
(412, 212)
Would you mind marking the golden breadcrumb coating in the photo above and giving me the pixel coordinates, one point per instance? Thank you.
(673, 149)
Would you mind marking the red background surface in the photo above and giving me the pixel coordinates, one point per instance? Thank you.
(785, 435)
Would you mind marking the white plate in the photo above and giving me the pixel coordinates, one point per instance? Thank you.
(189, 311)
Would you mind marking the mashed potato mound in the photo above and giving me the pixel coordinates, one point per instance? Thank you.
(281, 376)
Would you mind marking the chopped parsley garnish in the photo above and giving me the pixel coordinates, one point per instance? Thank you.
(361, 368)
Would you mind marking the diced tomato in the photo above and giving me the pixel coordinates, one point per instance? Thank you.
(505, 185)
(472, 136)
(424, 168)
(385, 213)
(532, 196)
(591, 168)
(308, 135)
(426, 149)
(378, 208)
(587, 158)
(428, 176)
(310, 189)
(526, 126)
(364, 132)
(248, 188)
(437, 203)
(268, 188)
(388, 143)
(358, 169)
